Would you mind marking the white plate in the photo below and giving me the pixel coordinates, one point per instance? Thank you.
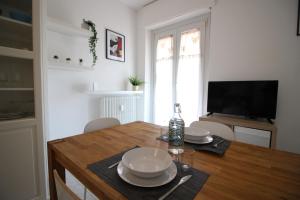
(195, 133)
(147, 162)
(202, 140)
(165, 178)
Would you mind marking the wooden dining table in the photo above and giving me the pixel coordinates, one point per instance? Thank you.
(244, 172)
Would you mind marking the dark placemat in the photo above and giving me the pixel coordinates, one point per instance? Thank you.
(220, 149)
(185, 192)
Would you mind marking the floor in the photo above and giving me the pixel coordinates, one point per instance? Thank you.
(77, 187)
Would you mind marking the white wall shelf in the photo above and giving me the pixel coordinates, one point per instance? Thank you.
(67, 29)
(16, 22)
(68, 67)
(115, 93)
(16, 89)
(17, 53)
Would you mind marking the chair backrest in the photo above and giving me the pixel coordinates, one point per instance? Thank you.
(215, 128)
(62, 190)
(101, 123)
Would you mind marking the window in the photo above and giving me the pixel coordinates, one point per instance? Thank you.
(178, 72)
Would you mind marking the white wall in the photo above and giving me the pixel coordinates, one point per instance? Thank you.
(250, 40)
(70, 108)
(256, 40)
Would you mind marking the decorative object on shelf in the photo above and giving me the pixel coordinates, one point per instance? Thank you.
(135, 82)
(55, 59)
(93, 86)
(115, 46)
(93, 39)
(80, 61)
(68, 60)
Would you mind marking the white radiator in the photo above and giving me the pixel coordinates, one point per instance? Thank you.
(123, 108)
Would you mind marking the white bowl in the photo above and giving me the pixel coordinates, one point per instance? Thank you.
(147, 162)
(191, 133)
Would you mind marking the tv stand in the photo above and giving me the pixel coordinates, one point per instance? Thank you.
(238, 125)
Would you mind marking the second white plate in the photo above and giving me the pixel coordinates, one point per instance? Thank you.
(191, 133)
(165, 178)
(202, 140)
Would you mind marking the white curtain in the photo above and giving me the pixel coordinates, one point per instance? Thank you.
(189, 77)
(163, 95)
(178, 71)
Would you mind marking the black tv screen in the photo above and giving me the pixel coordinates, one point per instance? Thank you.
(257, 99)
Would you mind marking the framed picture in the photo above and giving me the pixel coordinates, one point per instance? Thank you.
(115, 46)
(298, 21)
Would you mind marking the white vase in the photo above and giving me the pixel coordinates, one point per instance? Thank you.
(135, 87)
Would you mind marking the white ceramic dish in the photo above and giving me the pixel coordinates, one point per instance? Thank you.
(195, 133)
(166, 177)
(203, 140)
(147, 162)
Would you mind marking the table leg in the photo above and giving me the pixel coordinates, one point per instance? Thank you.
(54, 165)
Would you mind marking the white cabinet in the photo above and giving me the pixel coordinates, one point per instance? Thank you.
(253, 136)
(249, 131)
(18, 168)
(22, 172)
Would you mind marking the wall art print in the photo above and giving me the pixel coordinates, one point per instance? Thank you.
(115, 46)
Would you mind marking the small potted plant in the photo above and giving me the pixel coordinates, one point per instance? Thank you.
(135, 82)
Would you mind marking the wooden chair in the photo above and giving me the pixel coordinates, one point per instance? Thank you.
(62, 191)
(99, 124)
(215, 129)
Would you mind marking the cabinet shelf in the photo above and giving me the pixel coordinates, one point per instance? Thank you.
(15, 34)
(16, 89)
(17, 53)
(55, 25)
(14, 22)
(17, 123)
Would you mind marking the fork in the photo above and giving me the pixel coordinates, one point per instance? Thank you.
(182, 181)
(217, 143)
(113, 165)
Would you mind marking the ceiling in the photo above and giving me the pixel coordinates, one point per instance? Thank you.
(136, 4)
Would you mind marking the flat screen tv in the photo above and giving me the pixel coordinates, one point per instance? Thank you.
(253, 99)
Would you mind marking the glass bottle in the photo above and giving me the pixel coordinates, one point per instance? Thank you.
(176, 132)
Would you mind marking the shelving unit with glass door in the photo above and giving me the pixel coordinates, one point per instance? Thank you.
(16, 60)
